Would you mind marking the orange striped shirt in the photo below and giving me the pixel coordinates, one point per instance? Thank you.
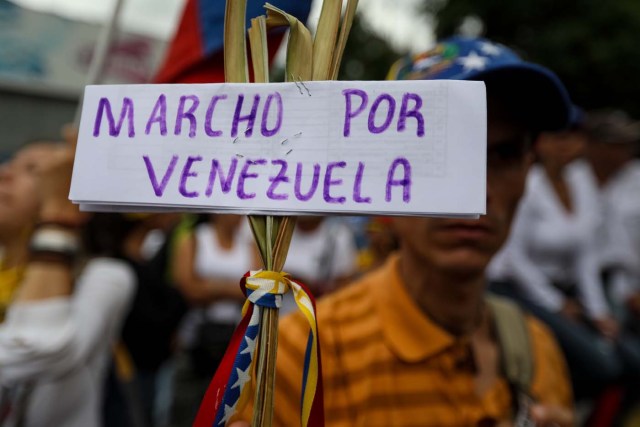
(386, 364)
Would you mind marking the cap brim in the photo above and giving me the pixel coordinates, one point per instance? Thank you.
(533, 93)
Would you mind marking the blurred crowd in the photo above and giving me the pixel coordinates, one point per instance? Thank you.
(138, 308)
(573, 255)
(143, 304)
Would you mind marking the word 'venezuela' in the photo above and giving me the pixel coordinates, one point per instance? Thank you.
(379, 116)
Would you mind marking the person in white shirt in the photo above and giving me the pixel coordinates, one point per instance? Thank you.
(57, 336)
(611, 149)
(322, 253)
(612, 144)
(552, 261)
(208, 263)
(553, 252)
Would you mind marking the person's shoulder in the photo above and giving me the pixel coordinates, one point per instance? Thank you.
(580, 173)
(244, 232)
(116, 276)
(202, 228)
(580, 166)
(582, 178)
(542, 340)
(537, 329)
(634, 165)
(551, 383)
(335, 225)
(535, 180)
(114, 268)
(631, 172)
(536, 173)
(581, 170)
(548, 358)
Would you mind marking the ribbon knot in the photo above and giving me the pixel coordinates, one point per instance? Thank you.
(227, 393)
(266, 288)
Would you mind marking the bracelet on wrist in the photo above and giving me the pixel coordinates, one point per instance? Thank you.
(53, 244)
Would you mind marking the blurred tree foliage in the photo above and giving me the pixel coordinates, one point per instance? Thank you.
(593, 45)
(367, 55)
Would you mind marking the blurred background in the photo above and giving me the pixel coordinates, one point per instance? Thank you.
(46, 53)
(46, 47)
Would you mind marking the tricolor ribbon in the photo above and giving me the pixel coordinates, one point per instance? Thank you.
(227, 393)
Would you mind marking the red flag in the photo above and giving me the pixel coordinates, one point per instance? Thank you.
(195, 54)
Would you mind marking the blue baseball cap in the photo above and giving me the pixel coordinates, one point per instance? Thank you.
(532, 91)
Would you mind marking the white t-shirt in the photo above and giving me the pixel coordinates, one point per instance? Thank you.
(550, 245)
(621, 198)
(213, 261)
(58, 348)
(321, 256)
(620, 234)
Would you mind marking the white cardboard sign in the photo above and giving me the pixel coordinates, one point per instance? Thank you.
(392, 148)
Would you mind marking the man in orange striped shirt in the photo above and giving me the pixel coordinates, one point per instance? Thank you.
(414, 343)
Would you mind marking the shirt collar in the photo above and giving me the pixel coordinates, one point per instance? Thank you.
(410, 334)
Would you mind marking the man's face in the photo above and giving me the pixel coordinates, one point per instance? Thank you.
(466, 246)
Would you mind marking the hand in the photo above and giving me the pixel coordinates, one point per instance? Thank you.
(551, 416)
(571, 310)
(54, 176)
(607, 326)
(240, 424)
(70, 134)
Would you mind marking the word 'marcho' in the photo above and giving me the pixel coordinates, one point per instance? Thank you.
(257, 114)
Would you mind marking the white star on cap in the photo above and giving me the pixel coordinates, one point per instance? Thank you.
(243, 378)
(473, 61)
(490, 49)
